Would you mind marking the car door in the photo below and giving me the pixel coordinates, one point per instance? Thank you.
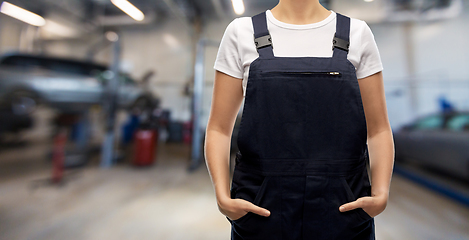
(422, 139)
(71, 84)
(453, 149)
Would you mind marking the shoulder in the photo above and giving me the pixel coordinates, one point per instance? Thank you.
(360, 32)
(239, 26)
(364, 51)
(244, 25)
(357, 26)
(230, 36)
(232, 28)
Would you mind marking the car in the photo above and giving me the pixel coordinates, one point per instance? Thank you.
(439, 141)
(69, 85)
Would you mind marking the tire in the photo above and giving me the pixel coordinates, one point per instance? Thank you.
(23, 102)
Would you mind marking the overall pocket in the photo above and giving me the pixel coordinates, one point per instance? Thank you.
(351, 197)
(250, 187)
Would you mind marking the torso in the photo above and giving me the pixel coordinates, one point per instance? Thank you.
(290, 40)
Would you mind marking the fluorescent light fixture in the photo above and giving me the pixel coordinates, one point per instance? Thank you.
(130, 9)
(22, 14)
(368, 0)
(238, 6)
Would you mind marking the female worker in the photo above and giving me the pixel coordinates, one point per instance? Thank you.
(314, 114)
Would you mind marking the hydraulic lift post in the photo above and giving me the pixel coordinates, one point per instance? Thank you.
(110, 106)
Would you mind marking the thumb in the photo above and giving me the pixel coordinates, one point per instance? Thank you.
(349, 206)
(258, 210)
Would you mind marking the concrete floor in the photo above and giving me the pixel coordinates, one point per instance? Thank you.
(166, 202)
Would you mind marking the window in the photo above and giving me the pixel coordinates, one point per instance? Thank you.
(23, 63)
(430, 123)
(56, 65)
(459, 123)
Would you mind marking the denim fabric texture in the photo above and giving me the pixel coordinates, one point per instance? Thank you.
(302, 146)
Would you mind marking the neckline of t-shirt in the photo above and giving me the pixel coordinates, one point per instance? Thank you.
(275, 21)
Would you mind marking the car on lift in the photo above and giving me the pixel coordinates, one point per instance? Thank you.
(438, 141)
(69, 85)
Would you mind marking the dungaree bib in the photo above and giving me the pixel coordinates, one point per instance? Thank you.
(302, 145)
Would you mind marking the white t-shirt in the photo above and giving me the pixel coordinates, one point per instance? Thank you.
(237, 49)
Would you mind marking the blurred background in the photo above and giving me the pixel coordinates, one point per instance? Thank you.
(104, 104)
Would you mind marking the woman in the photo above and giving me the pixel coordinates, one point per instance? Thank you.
(314, 115)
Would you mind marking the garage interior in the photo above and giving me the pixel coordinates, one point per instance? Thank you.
(104, 105)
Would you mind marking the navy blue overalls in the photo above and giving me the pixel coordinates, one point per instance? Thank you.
(302, 145)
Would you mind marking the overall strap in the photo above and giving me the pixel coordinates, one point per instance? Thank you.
(262, 37)
(340, 43)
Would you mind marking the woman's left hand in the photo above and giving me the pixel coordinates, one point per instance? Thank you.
(372, 205)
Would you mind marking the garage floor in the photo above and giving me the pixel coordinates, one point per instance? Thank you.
(166, 202)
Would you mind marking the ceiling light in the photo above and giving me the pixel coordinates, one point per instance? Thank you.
(22, 14)
(238, 6)
(130, 9)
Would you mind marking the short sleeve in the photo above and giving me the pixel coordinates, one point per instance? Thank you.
(370, 60)
(228, 60)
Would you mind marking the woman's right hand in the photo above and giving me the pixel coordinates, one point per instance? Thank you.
(236, 208)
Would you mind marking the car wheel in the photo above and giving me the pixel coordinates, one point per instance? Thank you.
(23, 102)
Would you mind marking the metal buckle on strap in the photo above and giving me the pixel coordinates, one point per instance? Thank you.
(340, 43)
(263, 41)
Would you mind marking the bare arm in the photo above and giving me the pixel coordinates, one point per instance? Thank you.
(380, 145)
(380, 140)
(226, 100)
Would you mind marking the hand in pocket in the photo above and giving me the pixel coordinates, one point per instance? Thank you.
(371, 205)
(236, 208)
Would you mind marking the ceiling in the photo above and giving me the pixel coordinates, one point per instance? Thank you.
(90, 10)
(89, 15)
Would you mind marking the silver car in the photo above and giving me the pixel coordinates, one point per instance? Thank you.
(439, 141)
(65, 84)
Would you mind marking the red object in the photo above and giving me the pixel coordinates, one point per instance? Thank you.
(145, 146)
(58, 156)
(187, 132)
